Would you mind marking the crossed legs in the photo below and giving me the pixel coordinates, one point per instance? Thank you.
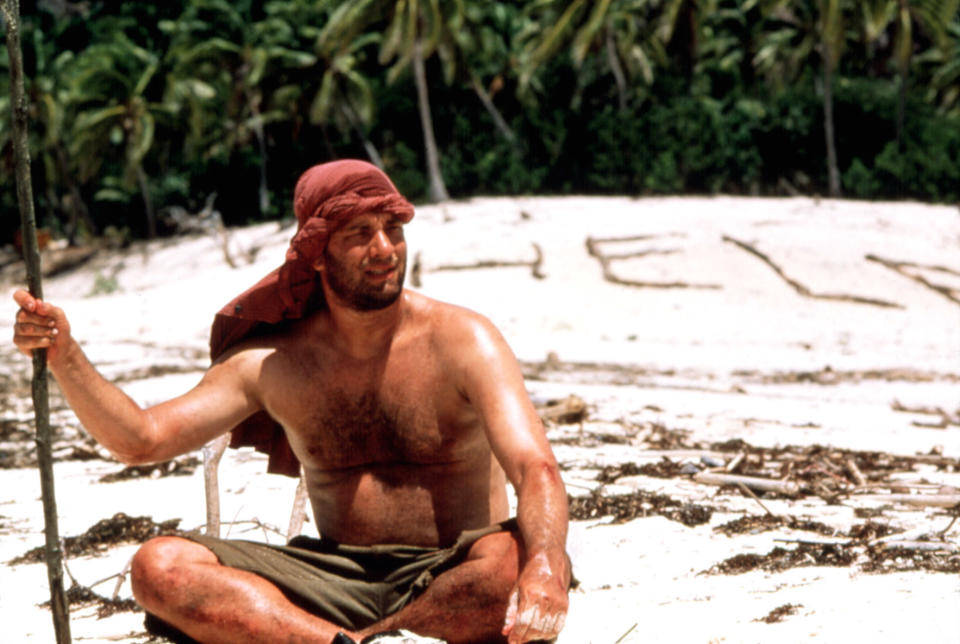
(184, 584)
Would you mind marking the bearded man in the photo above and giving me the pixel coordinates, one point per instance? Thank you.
(408, 417)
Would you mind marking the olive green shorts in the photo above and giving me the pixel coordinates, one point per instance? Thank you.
(351, 586)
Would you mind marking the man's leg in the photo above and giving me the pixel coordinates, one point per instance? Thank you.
(184, 584)
(467, 603)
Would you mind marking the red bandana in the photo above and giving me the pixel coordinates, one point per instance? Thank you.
(326, 197)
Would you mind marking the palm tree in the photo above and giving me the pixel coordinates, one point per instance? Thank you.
(622, 32)
(345, 96)
(411, 38)
(945, 81)
(109, 84)
(930, 16)
(478, 47)
(800, 30)
(215, 47)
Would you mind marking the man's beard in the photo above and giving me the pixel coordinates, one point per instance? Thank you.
(359, 295)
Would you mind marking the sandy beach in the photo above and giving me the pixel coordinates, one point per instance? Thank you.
(812, 345)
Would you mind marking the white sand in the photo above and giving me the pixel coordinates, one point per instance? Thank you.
(694, 360)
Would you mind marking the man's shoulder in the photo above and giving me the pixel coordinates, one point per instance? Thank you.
(451, 327)
(443, 317)
(269, 340)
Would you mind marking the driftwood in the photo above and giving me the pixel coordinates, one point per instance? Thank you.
(900, 267)
(930, 546)
(945, 417)
(571, 409)
(536, 266)
(923, 500)
(803, 290)
(212, 453)
(41, 402)
(606, 259)
(299, 511)
(787, 488)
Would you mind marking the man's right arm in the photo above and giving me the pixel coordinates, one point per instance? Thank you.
(133, 435)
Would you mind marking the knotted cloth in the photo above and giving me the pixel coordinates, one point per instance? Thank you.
(325, 198)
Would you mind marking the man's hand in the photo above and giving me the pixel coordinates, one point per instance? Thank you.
(538, 603)
(39, 325)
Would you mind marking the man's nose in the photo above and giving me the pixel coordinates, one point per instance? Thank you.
(380, 245)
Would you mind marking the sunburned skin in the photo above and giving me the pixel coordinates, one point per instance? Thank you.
(387, 458)
(408, 415)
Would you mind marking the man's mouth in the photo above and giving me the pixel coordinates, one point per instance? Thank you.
(383, 272)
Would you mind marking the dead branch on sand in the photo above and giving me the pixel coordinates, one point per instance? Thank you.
(901, 268)
(536, 266)
(803, 290)
(945, 417)
(787, 488)
(608, 274)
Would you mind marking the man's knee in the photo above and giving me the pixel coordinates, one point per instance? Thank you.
(162, 565)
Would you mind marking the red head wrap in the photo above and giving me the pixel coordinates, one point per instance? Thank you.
(326, 197)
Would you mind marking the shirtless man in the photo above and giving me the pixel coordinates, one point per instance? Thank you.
(408, 415)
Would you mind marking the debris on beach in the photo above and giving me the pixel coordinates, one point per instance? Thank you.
(872, 547)
(626, 507)
(177, 467)
(777, 614)
(569, 410)
(119, 529)
(79, 596)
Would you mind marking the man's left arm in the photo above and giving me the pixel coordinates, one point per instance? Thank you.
(494, 384)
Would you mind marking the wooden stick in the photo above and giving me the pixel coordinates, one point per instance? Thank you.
(803, 290)
(945, 291)
(31, 253)
(299, 511)
(933, 546)
(212, 453)
(923, 500)
(756, 498)
(788, 488)
(610, 276)
(855, 472)
(735, 462)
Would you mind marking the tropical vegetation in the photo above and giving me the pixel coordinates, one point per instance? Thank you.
(140, 107)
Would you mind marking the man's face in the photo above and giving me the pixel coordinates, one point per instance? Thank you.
(365, 262)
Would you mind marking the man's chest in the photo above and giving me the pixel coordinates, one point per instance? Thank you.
(399, 411)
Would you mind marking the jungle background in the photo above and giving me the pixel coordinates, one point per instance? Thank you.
(141, 110)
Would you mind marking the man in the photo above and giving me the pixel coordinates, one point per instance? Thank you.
(408, 415)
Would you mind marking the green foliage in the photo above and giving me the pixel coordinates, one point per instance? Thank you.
(103, 285)
(136, 106)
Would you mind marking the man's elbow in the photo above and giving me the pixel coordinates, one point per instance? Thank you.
(544, 471)
(140, 447)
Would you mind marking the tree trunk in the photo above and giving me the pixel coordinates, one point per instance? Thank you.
(254, 102)
(147, 202)
(833, 173)
(618, 74)
(18, 104)
(348, 113)
(78, 210)
(498, 120)
(901, 108)
(437, 190)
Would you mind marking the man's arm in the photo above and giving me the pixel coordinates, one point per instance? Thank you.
(494, 384)
(132, 434)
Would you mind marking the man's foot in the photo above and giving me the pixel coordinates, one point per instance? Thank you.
(400, 636)
(390, 637)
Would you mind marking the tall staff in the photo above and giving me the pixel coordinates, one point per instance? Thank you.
(31, 254)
